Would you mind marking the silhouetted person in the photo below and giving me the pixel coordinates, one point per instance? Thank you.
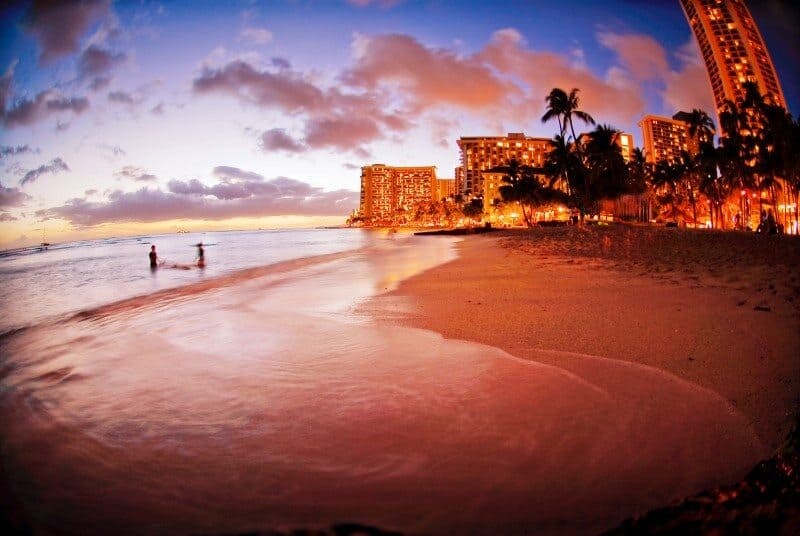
(153, 258)
(762, 225)
(772, 226)
(201, 259)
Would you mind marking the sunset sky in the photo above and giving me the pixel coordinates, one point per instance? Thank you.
(146, 117)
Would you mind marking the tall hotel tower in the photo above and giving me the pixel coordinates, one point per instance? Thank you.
(733, 50)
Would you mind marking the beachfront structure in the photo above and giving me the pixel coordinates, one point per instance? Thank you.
(389, 193)
(481, 153)
(623, 140)
(733, 50)
(626, 145)
(664, 138)
(445, 189)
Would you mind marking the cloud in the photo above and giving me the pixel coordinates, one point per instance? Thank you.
(256, 36)
(277, 139)
(379, 3)
(29, 111)
(121, 97)
(12, 197)
(96, 63)
(5, 87)
(116, 150)
(5, 216)
(135, 174)
(688, 87)
(283, 90)
(640, 54)
(428, 75)
(326, 111)
(59, 26)
(230, 174)
(281, 63)
(55, 166)
(541, 71)
(194, 200)
(158, 109)
(7, 150)
(343, 132)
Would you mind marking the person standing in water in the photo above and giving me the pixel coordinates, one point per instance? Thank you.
(201, 259)
(153, 258)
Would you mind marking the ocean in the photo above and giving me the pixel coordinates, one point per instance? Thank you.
(40, 284)
(267, 394)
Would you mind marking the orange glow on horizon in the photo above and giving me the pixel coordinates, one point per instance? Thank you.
(16, 235)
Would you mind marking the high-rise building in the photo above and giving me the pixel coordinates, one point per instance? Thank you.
(664, 138)
(445, 188)
(733, 50)
(481, 153)
(623, 140)
(389, 192)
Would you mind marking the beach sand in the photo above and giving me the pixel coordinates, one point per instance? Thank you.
(718, 310)
(565, 380)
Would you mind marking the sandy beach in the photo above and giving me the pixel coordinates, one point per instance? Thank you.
(717, 310)
(554, 381)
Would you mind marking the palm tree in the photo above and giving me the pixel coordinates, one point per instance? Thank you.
(560, 158)
(701, 126)
(666, 177)
(522, 186)
(737, 151)
(564, 107)
(556, 106)
(639, 174)
(607, 172)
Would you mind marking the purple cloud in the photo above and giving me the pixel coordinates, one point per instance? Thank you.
(7, 150)
(284, 90)
(56, 165)
(135, 174)
(277, 139)
(230, 174)
(356, 117)
(96, 63)
(281, 63)
(194, 200)
(59, 25)
(121, 97)
(12, 197)
(5, 216)
(27, 111)
(341, 132)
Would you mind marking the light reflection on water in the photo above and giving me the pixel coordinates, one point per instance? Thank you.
(74, 276)
(265, 404)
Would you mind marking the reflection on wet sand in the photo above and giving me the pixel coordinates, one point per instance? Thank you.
(260, 403)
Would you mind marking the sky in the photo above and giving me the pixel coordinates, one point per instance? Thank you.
(126, 118)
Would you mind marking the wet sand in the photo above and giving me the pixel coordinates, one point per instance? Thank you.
(293, 398)
(717, 310)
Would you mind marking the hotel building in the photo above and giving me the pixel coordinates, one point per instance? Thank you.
(388, 192)
(733, 50)
(481, 153)
(664, 138)
(445, 189)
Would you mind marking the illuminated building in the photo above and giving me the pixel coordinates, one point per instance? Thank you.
(389, 193)
(664, 138)
(445, 188)
(733, 50)
(481, 153)
(626, 145)
(622, 139)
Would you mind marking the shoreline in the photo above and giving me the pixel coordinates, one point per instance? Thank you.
(723, 316)
(574, 289)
